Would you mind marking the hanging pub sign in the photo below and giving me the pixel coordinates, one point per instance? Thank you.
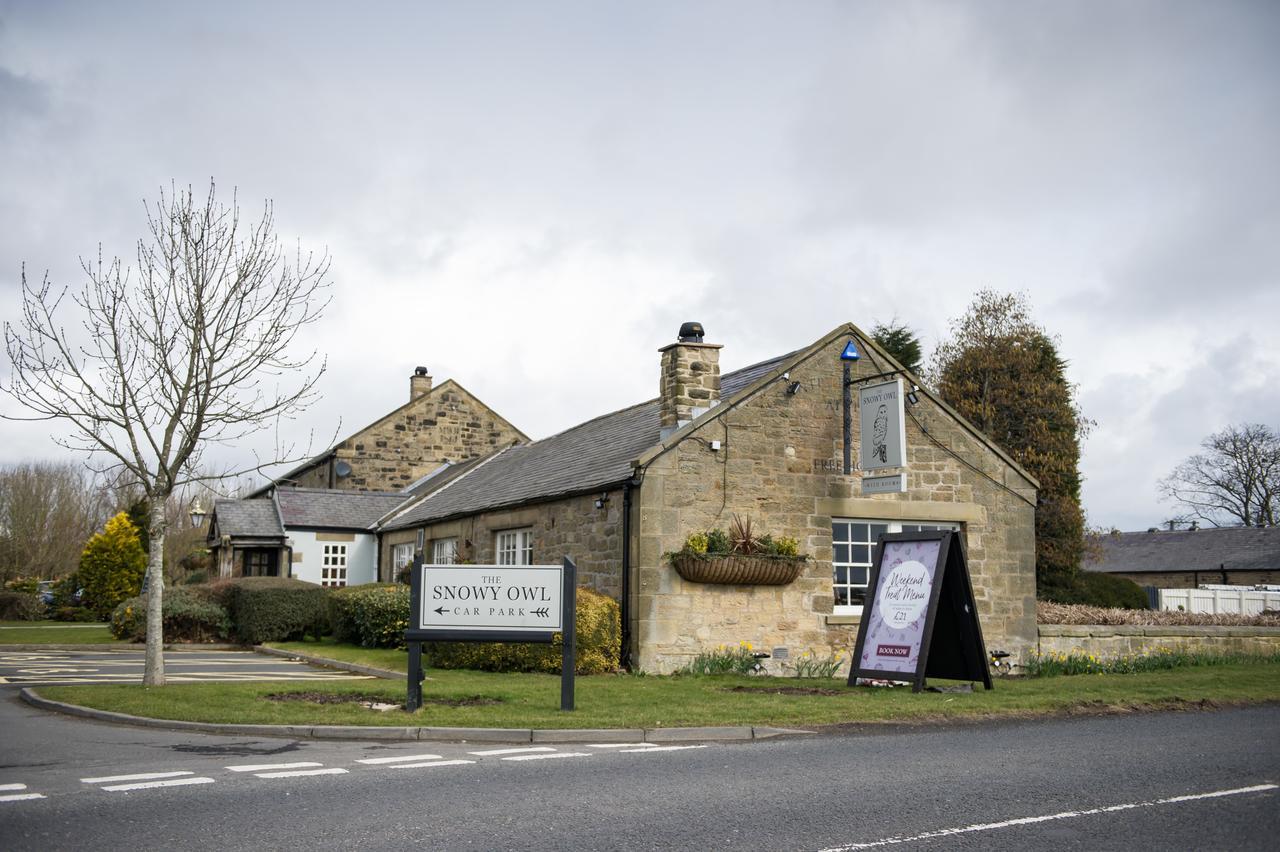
(884, 436)
(492, 603)
(920, 619)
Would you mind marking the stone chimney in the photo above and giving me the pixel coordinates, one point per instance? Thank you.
(419, 383)
(690, 377)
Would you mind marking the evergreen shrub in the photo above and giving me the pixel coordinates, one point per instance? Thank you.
(188, 617)
(20, 606)
(271, 609)
(112, 566)
(374, 615)
(599, 643)
(1092, 588)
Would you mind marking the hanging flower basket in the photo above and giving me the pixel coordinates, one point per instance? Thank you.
(737, 569)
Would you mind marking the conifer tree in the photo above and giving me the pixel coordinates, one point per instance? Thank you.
(112, 566)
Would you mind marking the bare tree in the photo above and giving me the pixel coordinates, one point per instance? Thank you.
(1236, 480)
(48, 511)
(193, 348)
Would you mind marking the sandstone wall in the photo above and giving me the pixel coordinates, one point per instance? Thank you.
(1193, 579)
(779, 463)
(1110, 641)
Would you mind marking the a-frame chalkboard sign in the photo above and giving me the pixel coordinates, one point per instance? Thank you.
(920, 619)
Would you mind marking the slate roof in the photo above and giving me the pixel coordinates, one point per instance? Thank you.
(1236, 548)
(322, 508)
(247, 518)
(593, 455)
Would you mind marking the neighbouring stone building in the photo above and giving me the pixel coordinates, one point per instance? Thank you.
(619, 492)
(439, 425)
(1185, 559)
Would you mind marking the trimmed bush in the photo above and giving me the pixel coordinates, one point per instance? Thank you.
(1092, 588)
(372, 615)
(271, 609)
(187, 618)
(599, 641)
(20, 606)
(112, 566)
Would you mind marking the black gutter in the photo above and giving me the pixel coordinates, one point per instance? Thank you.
(625, 656)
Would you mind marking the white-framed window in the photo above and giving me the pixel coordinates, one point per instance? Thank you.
(444, 551)
(401, 556)
(853, 552)
(333, 565)
(514, 547)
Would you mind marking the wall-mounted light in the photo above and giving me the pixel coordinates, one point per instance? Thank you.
(793, 388)
(197, 514)
(912, 395)
(602, 499)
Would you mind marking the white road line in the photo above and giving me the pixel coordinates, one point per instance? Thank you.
(142, 776)
(301, 773)
(375, 761)
(9, 788)
(549, 756)
(263, 767)
(991, 826)
(623, 745)
(21, 797)
(432, 763)
(150, 785)
(496, 751)
(659, 748)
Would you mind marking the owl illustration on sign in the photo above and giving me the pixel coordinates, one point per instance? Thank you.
(879, 434)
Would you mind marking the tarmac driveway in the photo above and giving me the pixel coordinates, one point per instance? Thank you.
(47, 667)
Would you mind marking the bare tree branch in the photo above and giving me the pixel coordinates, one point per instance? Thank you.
(1236, 480)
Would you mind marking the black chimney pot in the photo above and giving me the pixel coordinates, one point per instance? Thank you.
(691, 332)
(419, 371)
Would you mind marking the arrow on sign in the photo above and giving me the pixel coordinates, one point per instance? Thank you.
(440, 611)
(544, 612)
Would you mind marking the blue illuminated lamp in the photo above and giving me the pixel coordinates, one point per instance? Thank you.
(850, 352)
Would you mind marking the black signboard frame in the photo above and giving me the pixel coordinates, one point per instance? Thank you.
(416, 634)
(951, 644)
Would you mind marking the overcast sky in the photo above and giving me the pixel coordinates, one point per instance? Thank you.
(530, 197)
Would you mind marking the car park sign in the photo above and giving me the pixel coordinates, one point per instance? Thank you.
(491, 597)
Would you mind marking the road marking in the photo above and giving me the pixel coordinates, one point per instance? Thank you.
(496, 751)
(263, 767)
(375, 761)
(21, 797)
(149, 785)
(143, 776)
(9, 788)
(991, 826)
(432, 763)
(549, 756)
(659, 748)
(301, 773)
(623, 745)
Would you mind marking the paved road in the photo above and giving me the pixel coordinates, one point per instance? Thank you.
(1158, 781)
(30, 668)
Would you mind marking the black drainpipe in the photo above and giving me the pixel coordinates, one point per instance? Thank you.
(625, 660)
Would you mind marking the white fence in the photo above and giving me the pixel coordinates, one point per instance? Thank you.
(1238, 601)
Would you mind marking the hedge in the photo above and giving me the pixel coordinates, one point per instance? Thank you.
(1093, 588)
(599, 642)
(372, 615)
(270, 609)
(20, 606)
(188, 617)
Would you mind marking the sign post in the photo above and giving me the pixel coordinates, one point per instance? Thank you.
(920, 619)
(492, 603)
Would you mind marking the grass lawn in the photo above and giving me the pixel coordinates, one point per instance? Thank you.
(54, 633)
(478, 699)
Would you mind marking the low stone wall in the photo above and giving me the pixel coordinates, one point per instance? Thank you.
(1118, 640)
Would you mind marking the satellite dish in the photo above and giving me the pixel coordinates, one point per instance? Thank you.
(342, 469)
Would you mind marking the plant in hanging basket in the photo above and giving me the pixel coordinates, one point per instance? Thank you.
(740, 556)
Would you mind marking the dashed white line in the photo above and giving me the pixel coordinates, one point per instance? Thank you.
(263, 767)
(301, 773)
(497, 751)
(554, 756)
(377, 761)
(9, 788)
(991, 826)
(623, 745)
(21, 797)
(659, 748)
(142, 776)
(430, 763)
(149, 785)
